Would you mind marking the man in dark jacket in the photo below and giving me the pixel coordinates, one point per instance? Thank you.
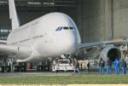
(108, 66)
(101, 65)
(124, 66)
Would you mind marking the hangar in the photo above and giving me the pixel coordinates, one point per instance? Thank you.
(96, 19)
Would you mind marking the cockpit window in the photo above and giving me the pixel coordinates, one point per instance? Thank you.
(64, 28)
(59, 29)
(71, 28)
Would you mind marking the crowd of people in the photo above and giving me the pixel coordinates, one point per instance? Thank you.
(119, 66)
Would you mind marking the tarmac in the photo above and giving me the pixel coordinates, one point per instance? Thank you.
(36, 74)
(18, 74)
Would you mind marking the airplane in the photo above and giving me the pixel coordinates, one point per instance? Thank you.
(51, 35)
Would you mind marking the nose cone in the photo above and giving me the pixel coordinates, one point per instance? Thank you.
(69, 43)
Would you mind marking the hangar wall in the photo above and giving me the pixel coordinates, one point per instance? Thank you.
(120, 17)
(4, 25)
(95, 20)
(102, 19)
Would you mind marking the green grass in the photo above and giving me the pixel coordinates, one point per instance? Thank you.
(73, 79)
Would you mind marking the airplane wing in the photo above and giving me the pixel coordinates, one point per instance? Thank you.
(6, 49)
(102, 43)
(3, 42)
(13, 50)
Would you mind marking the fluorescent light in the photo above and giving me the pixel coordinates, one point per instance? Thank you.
(34, 3)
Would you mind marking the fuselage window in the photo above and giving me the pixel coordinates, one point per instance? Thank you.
(59, 29)
(66, 28)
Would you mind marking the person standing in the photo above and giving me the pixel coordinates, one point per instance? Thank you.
(126, 59)
(117, 66)
(124, 66)
(88, 66)
(108, 66)
(101, 66)
(77, 67)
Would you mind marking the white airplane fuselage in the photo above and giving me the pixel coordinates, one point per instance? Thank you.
(51, 35)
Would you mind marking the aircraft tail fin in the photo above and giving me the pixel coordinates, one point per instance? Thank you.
(13, 14)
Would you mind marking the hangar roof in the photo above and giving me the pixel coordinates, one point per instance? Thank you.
(40, 3)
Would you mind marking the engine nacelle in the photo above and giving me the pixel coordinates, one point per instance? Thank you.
(110, 52)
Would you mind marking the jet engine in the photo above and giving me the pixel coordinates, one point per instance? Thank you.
(110, 52)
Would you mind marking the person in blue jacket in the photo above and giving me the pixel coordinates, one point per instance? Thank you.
(117, 65)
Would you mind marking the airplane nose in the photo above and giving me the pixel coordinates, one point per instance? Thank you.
(70, 43)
